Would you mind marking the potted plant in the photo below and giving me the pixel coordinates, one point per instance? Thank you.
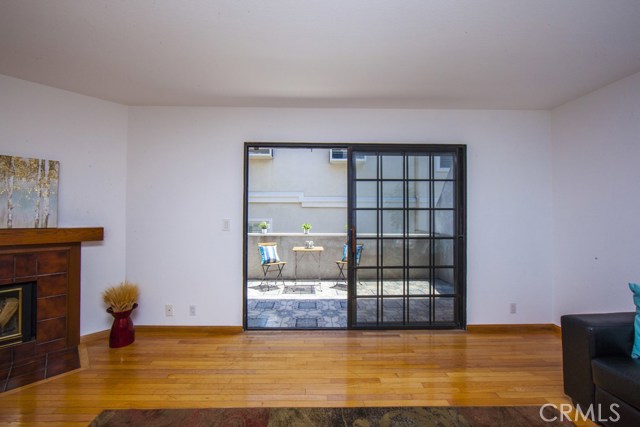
(263, 227)
(306, 227)
(122, 299)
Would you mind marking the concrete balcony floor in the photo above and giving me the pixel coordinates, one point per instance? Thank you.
(323, 304)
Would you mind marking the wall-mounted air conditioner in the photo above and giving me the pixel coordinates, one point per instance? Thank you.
(261, 153)
(339, 155)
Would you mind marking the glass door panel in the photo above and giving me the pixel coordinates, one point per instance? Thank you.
(406, 208)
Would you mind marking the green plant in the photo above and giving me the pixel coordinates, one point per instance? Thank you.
(263, 225)
(306, 226)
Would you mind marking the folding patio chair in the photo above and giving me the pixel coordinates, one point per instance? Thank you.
(270, 261)
(344, 261)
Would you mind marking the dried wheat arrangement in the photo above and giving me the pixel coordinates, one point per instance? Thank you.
(121, 297)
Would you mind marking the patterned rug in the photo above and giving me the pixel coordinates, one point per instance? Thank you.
(485, 416)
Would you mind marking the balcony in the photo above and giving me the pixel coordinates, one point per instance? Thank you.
(315, 297)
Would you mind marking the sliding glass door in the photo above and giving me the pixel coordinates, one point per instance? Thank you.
(389, 217)
(407, 236)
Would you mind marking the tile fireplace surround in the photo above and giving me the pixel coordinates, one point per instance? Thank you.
(50, 258)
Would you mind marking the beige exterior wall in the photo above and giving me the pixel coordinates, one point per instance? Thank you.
(299, 186)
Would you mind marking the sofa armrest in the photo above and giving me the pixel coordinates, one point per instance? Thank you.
(585, 337)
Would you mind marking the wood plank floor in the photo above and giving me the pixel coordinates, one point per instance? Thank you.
(199, 368)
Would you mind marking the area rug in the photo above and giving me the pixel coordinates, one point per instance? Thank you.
(479, 416)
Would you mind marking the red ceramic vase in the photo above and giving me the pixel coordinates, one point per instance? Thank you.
(122, 332)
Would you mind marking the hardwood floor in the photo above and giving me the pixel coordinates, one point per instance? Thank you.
(181, 368)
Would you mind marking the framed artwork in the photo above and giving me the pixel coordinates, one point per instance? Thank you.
(28, 192)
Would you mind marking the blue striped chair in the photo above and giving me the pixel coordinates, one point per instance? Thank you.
(270, 261)
(344, 261)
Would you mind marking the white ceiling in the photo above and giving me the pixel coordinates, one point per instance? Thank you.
(520, 54)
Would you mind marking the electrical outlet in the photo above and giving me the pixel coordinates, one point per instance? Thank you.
(168, 310)
(514, 308)
(226, 224)
(192, 310)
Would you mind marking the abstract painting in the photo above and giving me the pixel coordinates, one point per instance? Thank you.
(28, 192)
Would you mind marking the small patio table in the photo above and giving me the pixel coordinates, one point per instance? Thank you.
(315, 253)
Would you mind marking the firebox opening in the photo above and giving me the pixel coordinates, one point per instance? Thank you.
(17, 313)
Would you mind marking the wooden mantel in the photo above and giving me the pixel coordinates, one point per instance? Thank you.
(46, 236)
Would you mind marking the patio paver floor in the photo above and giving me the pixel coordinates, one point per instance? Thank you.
(308, 305)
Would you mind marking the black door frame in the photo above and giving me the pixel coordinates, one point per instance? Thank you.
(461, 230)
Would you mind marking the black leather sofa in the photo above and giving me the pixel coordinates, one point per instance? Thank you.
(598, 370)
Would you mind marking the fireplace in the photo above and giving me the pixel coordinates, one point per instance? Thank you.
(17, 313)
(40, 269)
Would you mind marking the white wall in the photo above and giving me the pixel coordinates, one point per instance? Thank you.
(596, 199)
(88, 136)
(185, 171)
(185, 174)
